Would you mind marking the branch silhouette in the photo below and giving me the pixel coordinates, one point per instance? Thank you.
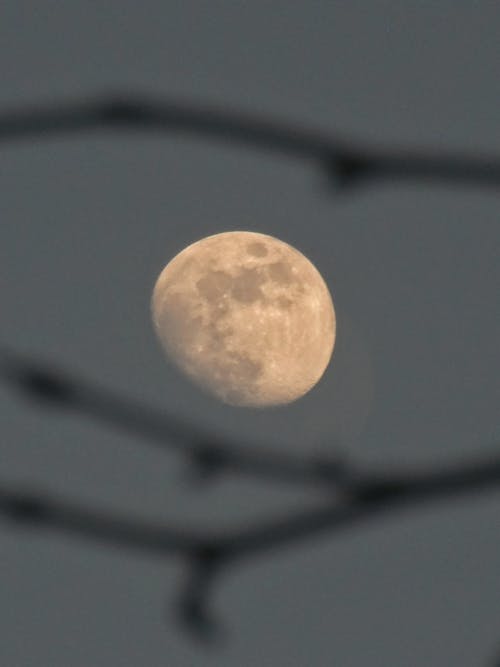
(210, 455)
(368, 495)
(346, 163)
(39, 510)
(359, 494)
(351, 495)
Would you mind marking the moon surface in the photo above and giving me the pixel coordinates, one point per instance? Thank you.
(247, 317)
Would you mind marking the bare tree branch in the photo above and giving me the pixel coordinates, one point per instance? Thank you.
(209, 453)
(346, 163)
(352, 495)
(368, 495)
(193, 608)
(360, 494)
(40, 510)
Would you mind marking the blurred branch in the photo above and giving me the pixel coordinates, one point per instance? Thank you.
(367, 496)
(359, 495)
(346, 163)
(193, 608)
(41, 510)
(210, 455)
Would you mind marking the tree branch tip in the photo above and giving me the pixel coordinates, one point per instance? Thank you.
(196, 620)
(192, 604)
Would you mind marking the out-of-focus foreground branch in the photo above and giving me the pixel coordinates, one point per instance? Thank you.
(352, 494)
(346, 163)
(348, 494)
(209, 454)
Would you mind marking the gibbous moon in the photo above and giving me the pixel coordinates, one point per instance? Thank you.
(246, 317)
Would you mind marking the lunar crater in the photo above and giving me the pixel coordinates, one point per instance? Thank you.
(257, 249)
(247, 284)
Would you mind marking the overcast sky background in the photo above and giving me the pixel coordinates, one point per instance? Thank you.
(86, 225)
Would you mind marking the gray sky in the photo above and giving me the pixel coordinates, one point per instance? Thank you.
(88, 222)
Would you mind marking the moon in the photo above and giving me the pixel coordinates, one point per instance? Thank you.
(247, 317)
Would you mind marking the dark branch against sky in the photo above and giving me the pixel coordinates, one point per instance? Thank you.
(346, 163)
(351, 495)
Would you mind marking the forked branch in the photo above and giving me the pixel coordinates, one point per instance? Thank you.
(359, 494)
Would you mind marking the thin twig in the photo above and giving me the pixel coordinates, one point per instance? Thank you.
(40, 510)
(346, 163)
(211, 454)
(369, 495)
